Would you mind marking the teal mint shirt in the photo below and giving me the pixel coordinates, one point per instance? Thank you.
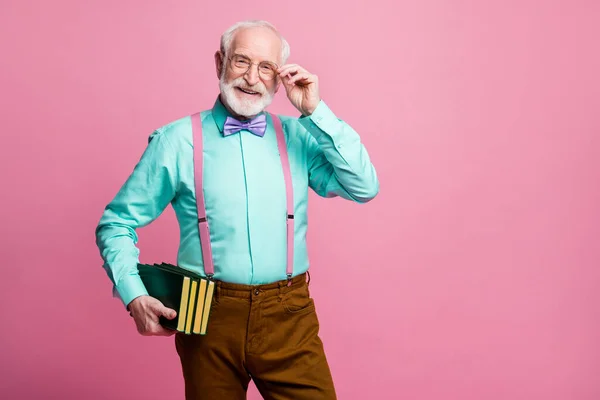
(244, 189)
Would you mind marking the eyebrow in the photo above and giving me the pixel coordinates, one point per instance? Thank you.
(248, 58)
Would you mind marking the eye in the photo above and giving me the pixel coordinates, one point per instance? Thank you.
(241, 62)
(268, 68)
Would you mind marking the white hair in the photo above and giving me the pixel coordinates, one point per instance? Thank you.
(227, 37)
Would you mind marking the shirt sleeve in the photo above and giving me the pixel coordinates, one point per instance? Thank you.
(143, 197)
(338, 163)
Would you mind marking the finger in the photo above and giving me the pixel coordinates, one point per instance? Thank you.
(169, 313)
(291, 70)
(304, 78)
(159, 330)
(160, 310)
(287, 81)
(169, 332)
(286, 66)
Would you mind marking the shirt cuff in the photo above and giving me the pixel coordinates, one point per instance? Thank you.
(321, 121)
(130, 287)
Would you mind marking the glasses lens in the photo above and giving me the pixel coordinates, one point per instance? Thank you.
(240, 62)
(267, 70)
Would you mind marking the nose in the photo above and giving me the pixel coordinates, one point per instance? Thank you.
(251, 76)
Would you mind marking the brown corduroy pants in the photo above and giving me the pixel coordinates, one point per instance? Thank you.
(267, 333)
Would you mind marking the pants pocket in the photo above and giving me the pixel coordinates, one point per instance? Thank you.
(298, 301)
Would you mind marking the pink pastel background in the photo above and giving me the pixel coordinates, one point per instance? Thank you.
(474, 275)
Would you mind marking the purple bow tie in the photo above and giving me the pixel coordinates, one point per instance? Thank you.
(257, 125)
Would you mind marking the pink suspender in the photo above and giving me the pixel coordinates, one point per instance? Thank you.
(203, 225)
(207, 257)
(289, 194)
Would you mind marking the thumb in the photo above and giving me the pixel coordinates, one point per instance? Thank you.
(160, 310)
(168, 313)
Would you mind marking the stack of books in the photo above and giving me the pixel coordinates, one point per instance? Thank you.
(184, 291)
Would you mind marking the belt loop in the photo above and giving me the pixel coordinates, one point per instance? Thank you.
(308, 274)
(281, 287)
(217, 290)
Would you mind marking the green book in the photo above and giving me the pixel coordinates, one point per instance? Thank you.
(183, 291)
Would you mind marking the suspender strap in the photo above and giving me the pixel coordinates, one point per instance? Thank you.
(203, 220)
(289, 194)
(207, 257)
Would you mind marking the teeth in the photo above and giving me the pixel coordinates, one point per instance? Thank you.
(248, 91)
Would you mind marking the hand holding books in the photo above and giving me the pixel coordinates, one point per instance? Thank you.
(178, 300)
(146, 312)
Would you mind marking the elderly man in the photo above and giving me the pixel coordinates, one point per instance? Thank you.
(257, 169)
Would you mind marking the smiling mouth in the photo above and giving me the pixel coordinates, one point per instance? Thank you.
(250, 92)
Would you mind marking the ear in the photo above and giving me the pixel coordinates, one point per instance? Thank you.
(219, 63)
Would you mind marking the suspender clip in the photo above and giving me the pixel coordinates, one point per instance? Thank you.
(289, 280)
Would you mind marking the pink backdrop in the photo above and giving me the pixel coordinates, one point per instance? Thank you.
(473, 275)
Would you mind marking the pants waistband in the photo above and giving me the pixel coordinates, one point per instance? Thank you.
(249, 291)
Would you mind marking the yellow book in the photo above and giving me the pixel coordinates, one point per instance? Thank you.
(200, 306)
(207, 303)
(185, 291)
(190, 310)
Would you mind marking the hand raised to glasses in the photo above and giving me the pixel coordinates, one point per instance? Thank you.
(301, 86)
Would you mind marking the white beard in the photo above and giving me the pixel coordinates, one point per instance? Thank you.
(247, 108)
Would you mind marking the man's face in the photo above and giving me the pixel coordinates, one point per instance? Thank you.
(248, 91)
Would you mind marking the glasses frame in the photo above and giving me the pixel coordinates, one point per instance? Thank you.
(250, 64)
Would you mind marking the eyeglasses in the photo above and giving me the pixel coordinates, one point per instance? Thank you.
(241, 64)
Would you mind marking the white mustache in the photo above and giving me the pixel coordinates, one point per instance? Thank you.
(259, 88)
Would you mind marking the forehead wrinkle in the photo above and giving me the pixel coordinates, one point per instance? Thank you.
(258, 44)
